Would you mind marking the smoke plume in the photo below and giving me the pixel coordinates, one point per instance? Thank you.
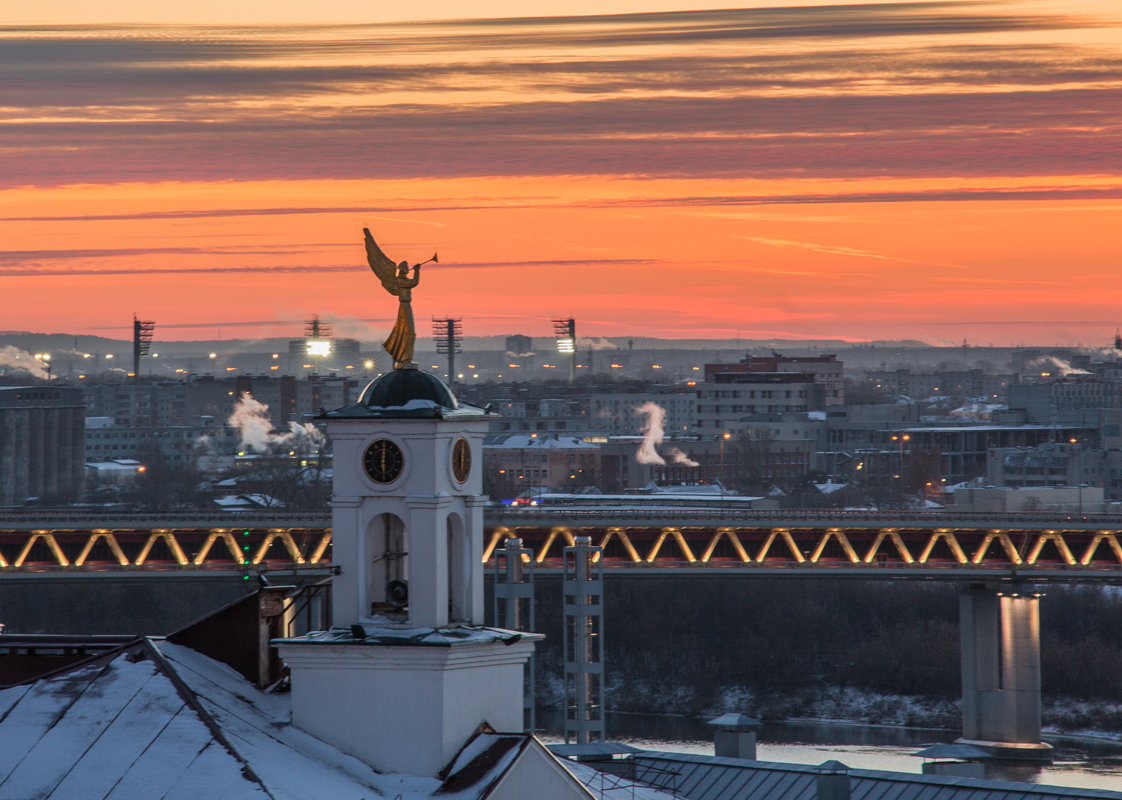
(257, 431)
(16, 359)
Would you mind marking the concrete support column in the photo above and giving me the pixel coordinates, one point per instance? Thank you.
(1000, 632)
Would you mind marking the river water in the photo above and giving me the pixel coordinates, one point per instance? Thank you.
(1089, 764)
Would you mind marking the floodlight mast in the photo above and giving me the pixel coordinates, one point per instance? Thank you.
(448, 335)
(565, 331)
(142, 331)
(317, 341)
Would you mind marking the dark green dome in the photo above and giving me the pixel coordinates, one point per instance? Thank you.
(397, 388)
(407, 393)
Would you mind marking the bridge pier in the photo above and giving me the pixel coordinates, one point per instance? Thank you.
(1000, 633)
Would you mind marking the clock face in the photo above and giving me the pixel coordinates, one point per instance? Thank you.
(383, 461)
(461, 460)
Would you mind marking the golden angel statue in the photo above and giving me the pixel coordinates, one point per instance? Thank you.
(395, 278)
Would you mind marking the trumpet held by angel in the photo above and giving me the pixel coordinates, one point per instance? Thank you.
(396, 280)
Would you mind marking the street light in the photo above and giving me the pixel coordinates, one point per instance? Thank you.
(900, 467)
(721, 474)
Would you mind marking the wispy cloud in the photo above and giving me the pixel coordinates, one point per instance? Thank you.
(67, 271)
(837, 250)
(473, 98)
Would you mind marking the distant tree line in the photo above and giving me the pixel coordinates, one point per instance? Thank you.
(785, 636)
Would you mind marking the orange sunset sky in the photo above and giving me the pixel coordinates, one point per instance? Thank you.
(935, 171)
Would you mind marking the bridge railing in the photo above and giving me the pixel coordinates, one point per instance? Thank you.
(52, 518)
(841, 518)
(48, 518)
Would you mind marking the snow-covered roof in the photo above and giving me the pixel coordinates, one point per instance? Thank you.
(548, 442)
(124, 465)
(152, 719)
(232, 502)
(411, 636)
(701, 777)
(640, 500)
(606, 786)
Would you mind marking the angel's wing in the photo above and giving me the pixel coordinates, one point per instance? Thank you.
(385, 269)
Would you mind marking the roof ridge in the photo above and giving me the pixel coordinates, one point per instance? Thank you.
(164, 665)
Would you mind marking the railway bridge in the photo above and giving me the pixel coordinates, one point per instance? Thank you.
(1038, 548)
(1000, 561)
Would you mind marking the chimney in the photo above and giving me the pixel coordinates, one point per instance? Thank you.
(735, 736)
(833, 781)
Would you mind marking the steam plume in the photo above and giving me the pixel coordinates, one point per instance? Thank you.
(652, 433)
(681, 458)
(257, 431)
(1057, 366)
(17, 359)
(594, 343)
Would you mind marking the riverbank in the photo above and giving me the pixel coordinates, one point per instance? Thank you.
(1100, 721)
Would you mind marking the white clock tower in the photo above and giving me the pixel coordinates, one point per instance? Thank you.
(408, 672)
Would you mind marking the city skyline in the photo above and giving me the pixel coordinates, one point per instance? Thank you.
(930, 171)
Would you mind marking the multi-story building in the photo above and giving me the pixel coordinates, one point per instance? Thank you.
(516, 463)
(322, 392)
(159, 403)
(276, 392)
(1061, 400)
(890, 439)
(617, 413)
(826, 371)
(955, 383)
(180, 445)
(728, 398)
(519, 345)
(42, 444)
(1056, 464)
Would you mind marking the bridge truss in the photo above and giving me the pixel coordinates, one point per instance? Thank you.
(958, 552)
(158, 548)
(864, 545)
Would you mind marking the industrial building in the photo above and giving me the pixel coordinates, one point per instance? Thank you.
(42, 444)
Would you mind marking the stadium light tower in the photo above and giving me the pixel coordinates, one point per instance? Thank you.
(142, 331)
(565, 331)
(448, 334)
(317, 341)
